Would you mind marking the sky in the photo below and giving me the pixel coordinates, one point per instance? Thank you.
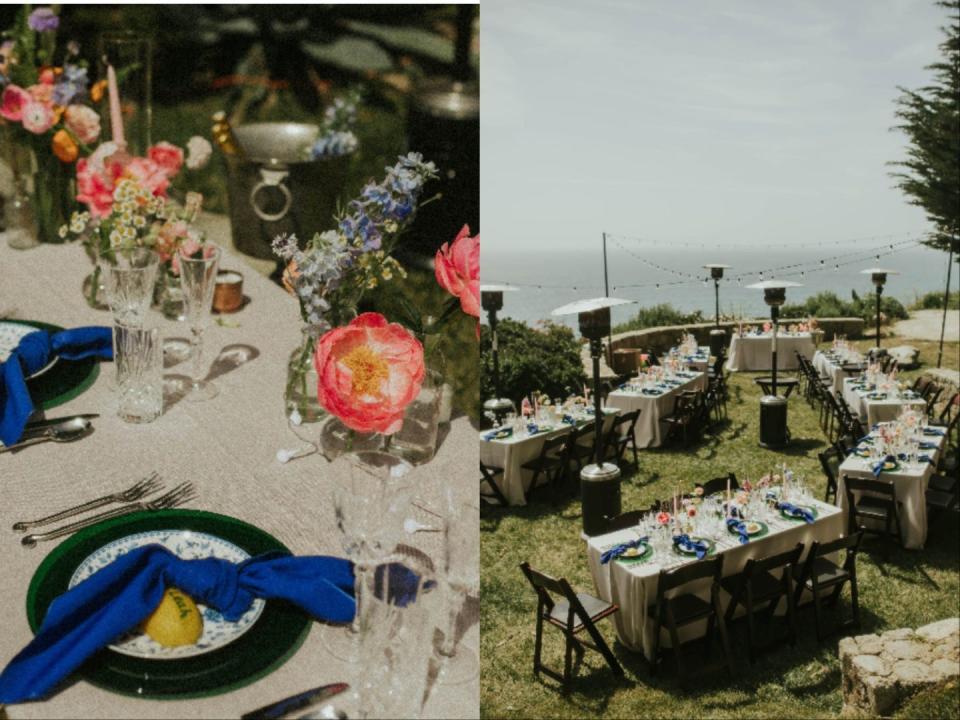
(726, 121)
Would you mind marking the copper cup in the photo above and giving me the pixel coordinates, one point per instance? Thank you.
(228, 293)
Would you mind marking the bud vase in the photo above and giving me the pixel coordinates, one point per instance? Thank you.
(416, 441)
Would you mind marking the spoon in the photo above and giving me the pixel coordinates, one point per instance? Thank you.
(411, 527)
(67, 431)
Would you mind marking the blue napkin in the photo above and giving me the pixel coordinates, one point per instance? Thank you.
(925, 445)
(795, 511)
(121, 595)
(926, 458)
(878, 466)
(32, 354)
(933, 431)
(498, 434)
(568, 420)
(687, 543)
(532, 428)
(649, 391)
(740, 528)
(618, 550)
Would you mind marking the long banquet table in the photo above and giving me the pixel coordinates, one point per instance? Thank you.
(752, 352)
(872, 409)
(633, 585)
(649, 430)
(827, 366)
(226, 446)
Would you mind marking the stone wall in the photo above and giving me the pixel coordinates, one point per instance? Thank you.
(880, 672)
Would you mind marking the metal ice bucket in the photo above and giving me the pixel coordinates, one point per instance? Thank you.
(273, 188)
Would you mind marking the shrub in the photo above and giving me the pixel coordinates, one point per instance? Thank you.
(659, 316)
(829, 304)
(545, 358)
(934, 301)
(940, 701)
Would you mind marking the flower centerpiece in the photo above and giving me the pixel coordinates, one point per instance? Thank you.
(336, 138)
(48, 119)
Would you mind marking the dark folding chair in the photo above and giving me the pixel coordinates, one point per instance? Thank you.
(682, 417)
(489, 475)
(683, 609)
(759, 583)
(719, 484)
(830, 460)
(931, 395)
(819, 573)
(551, 463)
(572, 613)
(920, 384)
(576, 451)
(877, 501)
(629, 519)
(943, 493)
(621, 436)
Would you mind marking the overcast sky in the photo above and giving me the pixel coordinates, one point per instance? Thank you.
(728, 120)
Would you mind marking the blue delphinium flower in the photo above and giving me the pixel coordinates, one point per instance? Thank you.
(43, 20)
(71, 84)
(334, 144)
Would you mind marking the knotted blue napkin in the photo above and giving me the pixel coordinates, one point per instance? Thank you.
(925, 445)
(568, 420)
(741, 529)
(697, 546)
(498, 434)
(117, 598)
(933, 431)
(878, 466)
(618, 550)
(532, 428)
(796, 511)
(32, 354)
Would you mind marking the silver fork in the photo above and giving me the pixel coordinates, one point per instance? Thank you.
(180, 494)
(144, 487)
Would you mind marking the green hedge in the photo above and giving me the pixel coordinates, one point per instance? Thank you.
(934, 301)
(829, 304)
(659, 316)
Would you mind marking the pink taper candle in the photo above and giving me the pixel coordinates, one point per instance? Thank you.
(116, 119)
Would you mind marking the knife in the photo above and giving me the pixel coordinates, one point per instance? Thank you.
(296, 702)
(41, 424)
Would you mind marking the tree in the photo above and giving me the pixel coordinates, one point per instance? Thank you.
(930, 117)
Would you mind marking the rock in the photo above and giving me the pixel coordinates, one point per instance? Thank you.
(870, 644)
(871, 664)
(906, 649)
(901, 634)
(905, 355)
(945, 667)
(910, 672)
(880, 695)
(940, 630)
(848, 646)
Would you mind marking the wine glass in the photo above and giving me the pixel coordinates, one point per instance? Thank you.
(198, 278)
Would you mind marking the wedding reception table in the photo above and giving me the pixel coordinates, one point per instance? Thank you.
(512, 452)
(872, 408)
(633, 584)
(226, 446)
(649, 431)
(750, 353)
(699, 361)
(910, 482)
(827, 366)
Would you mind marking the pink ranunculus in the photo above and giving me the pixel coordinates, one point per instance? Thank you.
(148, 174)
(766, 327)
(168, 157)
(457, 267)
(12, 102)
(42, 93)
(369, 371)
(37, 117)
(84, 122)
(663, 518)
(93, 188)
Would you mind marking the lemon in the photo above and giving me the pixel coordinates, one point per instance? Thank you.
(176, 621)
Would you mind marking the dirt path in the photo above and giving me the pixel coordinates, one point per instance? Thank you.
(925, 325)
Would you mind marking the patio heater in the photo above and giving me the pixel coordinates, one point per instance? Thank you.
(773, 409)
(718, 336)
(491, 300)
(879, 277)
(599, 481)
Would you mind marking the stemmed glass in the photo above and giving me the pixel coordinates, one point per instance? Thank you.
(198, 278)
(129, 276)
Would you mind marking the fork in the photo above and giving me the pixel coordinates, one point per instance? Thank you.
(144, 487)
(180, 494)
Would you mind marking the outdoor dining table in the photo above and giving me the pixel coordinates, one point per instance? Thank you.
(227, 447)
(649, 430)
(830, 366)
(873, 408)
(910, 480)
(632, 584)
(699, 361)
(750, 353)
(512, 452)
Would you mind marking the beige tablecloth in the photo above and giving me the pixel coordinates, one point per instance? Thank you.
(634, 586)
(828, 367)
(876, 411)
(752, 353)
(649, 431)
(909, 484)
(226, 446)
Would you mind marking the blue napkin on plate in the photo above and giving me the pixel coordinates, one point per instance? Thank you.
(532, 428)
(120, 596)
(498, 434)
(618, 550)
(925, 445)
(933, 431)
(649, 391)
(741, 529)
(32, 354)
(925, 458)
(878, 466)
(687, 543)
(796, 511)
(568, 420)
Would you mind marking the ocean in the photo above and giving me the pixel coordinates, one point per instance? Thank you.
(565, 276)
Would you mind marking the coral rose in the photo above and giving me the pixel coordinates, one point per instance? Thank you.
(64, 147)
(148, 175)
(12, 102)
(369, 371)
(168, 157)
(457, 267)
(83, 122)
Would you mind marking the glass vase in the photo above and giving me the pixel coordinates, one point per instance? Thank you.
(43, 192)
(416, 441)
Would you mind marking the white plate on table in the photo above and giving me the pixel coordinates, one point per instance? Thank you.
(11, 334)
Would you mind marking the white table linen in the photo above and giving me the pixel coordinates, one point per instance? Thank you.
(752, 352)
(649, 430)
(872, 412)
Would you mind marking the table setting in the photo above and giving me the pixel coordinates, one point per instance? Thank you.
(838, 362)
(653, 391)
(694, 356)
(749, 349)
(879, 397)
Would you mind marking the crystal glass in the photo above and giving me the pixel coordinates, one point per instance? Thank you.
(370, 505)
(138, 355)
(129, 276)
(198, 278)
(131, 56)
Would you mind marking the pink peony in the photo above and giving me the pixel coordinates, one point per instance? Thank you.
(167, 157)
(663, 518)
(148, 174)
(457, 267)
(12, 102)
(42, 93)
(37, 117)
(83, 122)
(369, 371)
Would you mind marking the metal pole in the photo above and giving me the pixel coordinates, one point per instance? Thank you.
(716, 293)
(946, 300)
(492, 317)
(596, 347)
(774, 315)
(879, 293)
(606, 293)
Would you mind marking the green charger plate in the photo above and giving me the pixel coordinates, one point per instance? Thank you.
(711, 548)
(64, 380)
(272, 640)
(642, 557)
(788, 516)
(759, 534)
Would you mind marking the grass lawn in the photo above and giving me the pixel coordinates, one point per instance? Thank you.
(909, 589)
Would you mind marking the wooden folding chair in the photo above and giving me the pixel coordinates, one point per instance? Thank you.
(830, 460)
(552, 463)
(877, 501)
(719, 484)
(489, 475)
(621, 436)
(819, 573)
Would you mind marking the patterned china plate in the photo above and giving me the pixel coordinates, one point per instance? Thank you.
(187, 545)
(791, 516)
(10, 336)
(637, 554)
(693, 553)
(753, 528)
